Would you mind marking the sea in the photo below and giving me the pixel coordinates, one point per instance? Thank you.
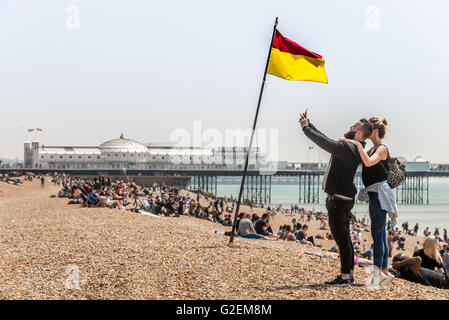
(434, 214)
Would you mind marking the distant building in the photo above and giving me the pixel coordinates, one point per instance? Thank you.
(130, 154)
(419, 164)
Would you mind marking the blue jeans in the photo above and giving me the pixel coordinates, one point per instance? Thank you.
(368, 254)
(252, 236)
(378, 226)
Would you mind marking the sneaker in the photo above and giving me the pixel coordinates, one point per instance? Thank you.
(375, 279)
(339, 281)
(387, 280)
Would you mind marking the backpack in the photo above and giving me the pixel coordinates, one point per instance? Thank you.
(395, 171)
(396, 174)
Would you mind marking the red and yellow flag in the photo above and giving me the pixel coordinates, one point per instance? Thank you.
(288, 60)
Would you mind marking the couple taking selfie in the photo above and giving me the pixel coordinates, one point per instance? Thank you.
(338, 183)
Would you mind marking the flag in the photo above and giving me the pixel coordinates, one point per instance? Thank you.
(290, 61)
(30, 130)
(39, 129)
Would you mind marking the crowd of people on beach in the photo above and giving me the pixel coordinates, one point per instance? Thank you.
(429, 264)
(156, 199)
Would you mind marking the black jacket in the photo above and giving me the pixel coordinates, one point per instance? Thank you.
(343, 164)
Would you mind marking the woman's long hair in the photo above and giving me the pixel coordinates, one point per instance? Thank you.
(430, 249)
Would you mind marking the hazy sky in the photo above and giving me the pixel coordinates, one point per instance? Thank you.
(145, 68)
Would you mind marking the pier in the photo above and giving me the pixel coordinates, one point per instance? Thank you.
(258, 185)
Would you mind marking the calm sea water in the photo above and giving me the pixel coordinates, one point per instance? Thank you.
(434, 214)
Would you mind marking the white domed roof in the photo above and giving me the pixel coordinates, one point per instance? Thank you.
(123, 145)
(420, 159)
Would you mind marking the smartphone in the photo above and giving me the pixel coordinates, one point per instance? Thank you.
(305, 113)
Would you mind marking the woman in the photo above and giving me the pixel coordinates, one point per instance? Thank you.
(430, 254)
(374, 177)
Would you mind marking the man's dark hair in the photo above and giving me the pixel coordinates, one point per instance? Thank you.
(366, 127)
(265, 215)
(400, 257)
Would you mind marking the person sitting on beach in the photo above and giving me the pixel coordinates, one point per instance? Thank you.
(246, 229)
(295, 224)
(296, 228)
(281, 232)
(227, 220)
(263, 226)
(239, 218)
(288, 235)
(411, 269)
(356, 246)
(368, 254)
(430, 255)
(301, 236)
(446, 257)
(323, 224)
(417, 246)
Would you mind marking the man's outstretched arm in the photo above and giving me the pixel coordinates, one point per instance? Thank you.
(311, 126)
(336, 148)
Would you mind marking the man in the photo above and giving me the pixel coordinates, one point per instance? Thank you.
(410, 269)
(338, 183)
(42, 181)
(262, 226)
(415, 229)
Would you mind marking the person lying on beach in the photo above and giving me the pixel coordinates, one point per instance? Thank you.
(108, 202)
(361, 262)
(411, 269)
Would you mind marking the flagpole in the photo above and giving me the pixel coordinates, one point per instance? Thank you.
(242, 185)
